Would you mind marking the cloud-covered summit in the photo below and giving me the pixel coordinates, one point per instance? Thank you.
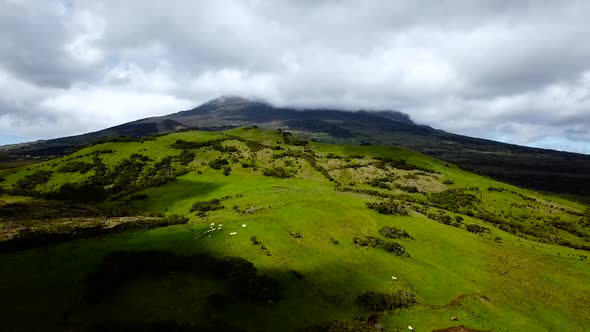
(512, 71)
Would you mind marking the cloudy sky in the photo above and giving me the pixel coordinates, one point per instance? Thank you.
(515, 71)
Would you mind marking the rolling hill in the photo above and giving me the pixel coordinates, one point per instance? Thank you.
(539, 169)
(251, 229)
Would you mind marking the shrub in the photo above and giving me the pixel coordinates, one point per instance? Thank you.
(394, 233)
(277, 172)
(218, 163)
(201, 207)
(26, 186)
(255, 146)
(255, 241)
(222, 148)
(367, 241)
(388, 208)
(76, 166)
(395, 248)
(186, 157)
(377, 301)
(453, 200)
(249, 163)
(86, 192)
(476, 229)
(226, 170)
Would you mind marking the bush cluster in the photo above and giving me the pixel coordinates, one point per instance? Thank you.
(26, 186)
(395, 248)
(394, 233)
(367, 241)
(186, 157)
(218, 163)
(389, 246)
(456, 200)
(476, 229)
(85, 192)
(202, 207)
(388, 208)
(255, 146)
(378, 301)
(277, 172)
(222, 148)
(76, 166)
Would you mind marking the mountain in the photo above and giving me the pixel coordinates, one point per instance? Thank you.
(540, 169)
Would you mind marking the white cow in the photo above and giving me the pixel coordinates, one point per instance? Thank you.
(410, 328)
(393, 278)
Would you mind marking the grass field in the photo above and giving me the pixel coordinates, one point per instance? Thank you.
(304, 227)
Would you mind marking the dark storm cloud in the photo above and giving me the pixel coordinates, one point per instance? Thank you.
(513, 71)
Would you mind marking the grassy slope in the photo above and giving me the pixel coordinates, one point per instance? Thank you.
(515, 285)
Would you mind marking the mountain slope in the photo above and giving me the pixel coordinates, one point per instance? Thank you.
(285, 235)
(546, 170)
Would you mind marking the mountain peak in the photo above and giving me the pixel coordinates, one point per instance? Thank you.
(228, 100)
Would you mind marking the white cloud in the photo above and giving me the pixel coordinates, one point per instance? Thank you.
(517, 72)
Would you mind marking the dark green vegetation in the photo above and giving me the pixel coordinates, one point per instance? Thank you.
(394, 233)
(202, 207)
(121, 267)
(144, 235)
(546, 170)
(390, 208)
(376, 301)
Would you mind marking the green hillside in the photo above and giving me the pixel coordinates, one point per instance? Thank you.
(282, 234)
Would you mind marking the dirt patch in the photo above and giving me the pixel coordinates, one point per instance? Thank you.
(457, 301)
(459, 328)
